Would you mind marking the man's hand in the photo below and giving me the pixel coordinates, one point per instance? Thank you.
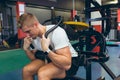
(27, 41)
(45, 43)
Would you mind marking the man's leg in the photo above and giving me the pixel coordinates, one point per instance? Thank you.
(31, 69)
(50, 71)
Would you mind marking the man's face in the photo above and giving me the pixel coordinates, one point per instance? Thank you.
(30, 31)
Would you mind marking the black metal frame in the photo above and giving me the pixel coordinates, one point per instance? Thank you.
(85, 48)
(104, 11)
(106, 17)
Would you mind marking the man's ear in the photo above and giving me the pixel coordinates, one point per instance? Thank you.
(36, 23)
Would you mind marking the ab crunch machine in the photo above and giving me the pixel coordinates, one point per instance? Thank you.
(91, 47)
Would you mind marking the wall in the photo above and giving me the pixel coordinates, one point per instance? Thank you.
(42, 14)
(63, 4)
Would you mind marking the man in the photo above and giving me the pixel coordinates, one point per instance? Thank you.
(57, 61)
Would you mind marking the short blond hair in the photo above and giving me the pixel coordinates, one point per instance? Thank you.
(27, 19)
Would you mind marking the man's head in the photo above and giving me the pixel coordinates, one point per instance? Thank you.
(27, 19)
(29, 24)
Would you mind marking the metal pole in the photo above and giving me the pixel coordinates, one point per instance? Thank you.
(73, 5)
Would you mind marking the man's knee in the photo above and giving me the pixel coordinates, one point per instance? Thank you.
(27, 70)
(42, 75)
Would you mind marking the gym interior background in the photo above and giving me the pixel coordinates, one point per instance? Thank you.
(101, 15)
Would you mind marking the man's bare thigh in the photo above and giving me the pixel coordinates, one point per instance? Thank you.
(52, 71)
(34, 65)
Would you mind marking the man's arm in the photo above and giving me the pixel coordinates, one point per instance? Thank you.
(61, 58)
(26, 45)
(30, 54)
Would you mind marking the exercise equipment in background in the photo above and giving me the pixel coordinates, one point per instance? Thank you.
(78, 25)
(5, 44)
(92, 47)
(71, 28)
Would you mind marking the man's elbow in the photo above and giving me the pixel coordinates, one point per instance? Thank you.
(67, 67)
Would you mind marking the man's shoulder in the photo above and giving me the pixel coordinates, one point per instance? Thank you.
(50, 26)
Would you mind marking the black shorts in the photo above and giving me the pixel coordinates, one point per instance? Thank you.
(74, 67)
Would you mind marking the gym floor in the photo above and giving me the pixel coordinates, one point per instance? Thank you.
(12, 61)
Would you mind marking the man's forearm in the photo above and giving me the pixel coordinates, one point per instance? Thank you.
(60, 60)
(30, 54)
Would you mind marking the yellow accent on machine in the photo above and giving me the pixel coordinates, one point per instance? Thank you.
(77, 25)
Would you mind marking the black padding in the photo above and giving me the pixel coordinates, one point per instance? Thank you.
(40, 55)
(74, 67)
